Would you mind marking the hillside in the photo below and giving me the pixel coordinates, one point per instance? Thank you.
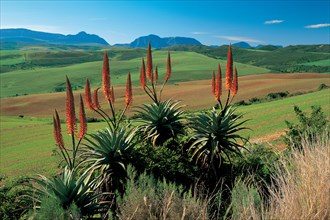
(287, 59)
(37, 37)
(187, 66)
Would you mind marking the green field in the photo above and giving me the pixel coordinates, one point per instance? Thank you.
(27, 143)
(186, 66)
(318, 63)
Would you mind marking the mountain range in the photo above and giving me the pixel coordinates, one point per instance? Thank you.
(29, 36)
(21, 35)
(158, 42)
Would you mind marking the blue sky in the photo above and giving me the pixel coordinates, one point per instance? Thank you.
(277, 22)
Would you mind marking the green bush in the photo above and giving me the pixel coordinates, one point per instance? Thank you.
(258, 161)
(12, 202)
(243, 196)
(170, 160)
(51, 208)
(148, 198)
(311, 125)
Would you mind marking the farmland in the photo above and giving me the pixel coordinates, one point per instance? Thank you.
(187, 66)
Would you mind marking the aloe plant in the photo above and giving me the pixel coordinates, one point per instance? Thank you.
(160, 122)
(68, 189)
(215, 135)
(108, 152)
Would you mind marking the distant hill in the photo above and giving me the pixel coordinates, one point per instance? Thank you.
(298, 58)
(242, 45)
(158, 42)
(268, 45)
(28, 36)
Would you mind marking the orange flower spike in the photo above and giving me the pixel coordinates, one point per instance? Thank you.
(57, 130)
(82, 120)
(70, 111)
(218, 88)
(149, 63)
(128, 96)
(143, 75)
(168, 67)
(234, 86)
(229, 69)
(213, 83)
(88, 96)
(106, 77)
(112, 97)
(156, 75)
(96, 104)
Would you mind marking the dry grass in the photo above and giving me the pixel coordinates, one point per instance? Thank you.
(301, 189)
(304, 183)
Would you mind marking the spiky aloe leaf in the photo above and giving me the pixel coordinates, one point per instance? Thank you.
(160, 122)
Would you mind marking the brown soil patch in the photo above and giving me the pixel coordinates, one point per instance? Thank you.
(194, 94)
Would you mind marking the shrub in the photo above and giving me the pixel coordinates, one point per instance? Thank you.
(322, 86)
(243, 196)
(170, 160)
(277, 95)
(51, 208)
(313, 125)
(12, 202)
(258, 160)
(147, 198)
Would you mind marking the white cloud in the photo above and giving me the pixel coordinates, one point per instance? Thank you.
(317, 26)
(199, 33)
(274, 21)
(237, 38)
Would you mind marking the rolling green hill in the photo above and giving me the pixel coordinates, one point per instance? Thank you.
(186, 66)
(289, 59)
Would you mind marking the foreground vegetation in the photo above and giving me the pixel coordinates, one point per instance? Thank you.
(163, 162)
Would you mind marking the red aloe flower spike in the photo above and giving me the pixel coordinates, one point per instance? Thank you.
(149, 63)
(218, 87)
(229, 69)
(168, 67)
(82, 120)
(156, 75)
(213, 83)
(96, 104)
(57, 130)
(112, 97)
(128, 97)
(88, 96)
(106, 77)
(143, 75)
(234, 86)
(70, 111)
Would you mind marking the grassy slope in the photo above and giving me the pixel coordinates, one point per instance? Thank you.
(31, 152)
(187, 66)
(287, 59)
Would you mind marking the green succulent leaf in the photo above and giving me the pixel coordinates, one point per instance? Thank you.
(160, 122)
